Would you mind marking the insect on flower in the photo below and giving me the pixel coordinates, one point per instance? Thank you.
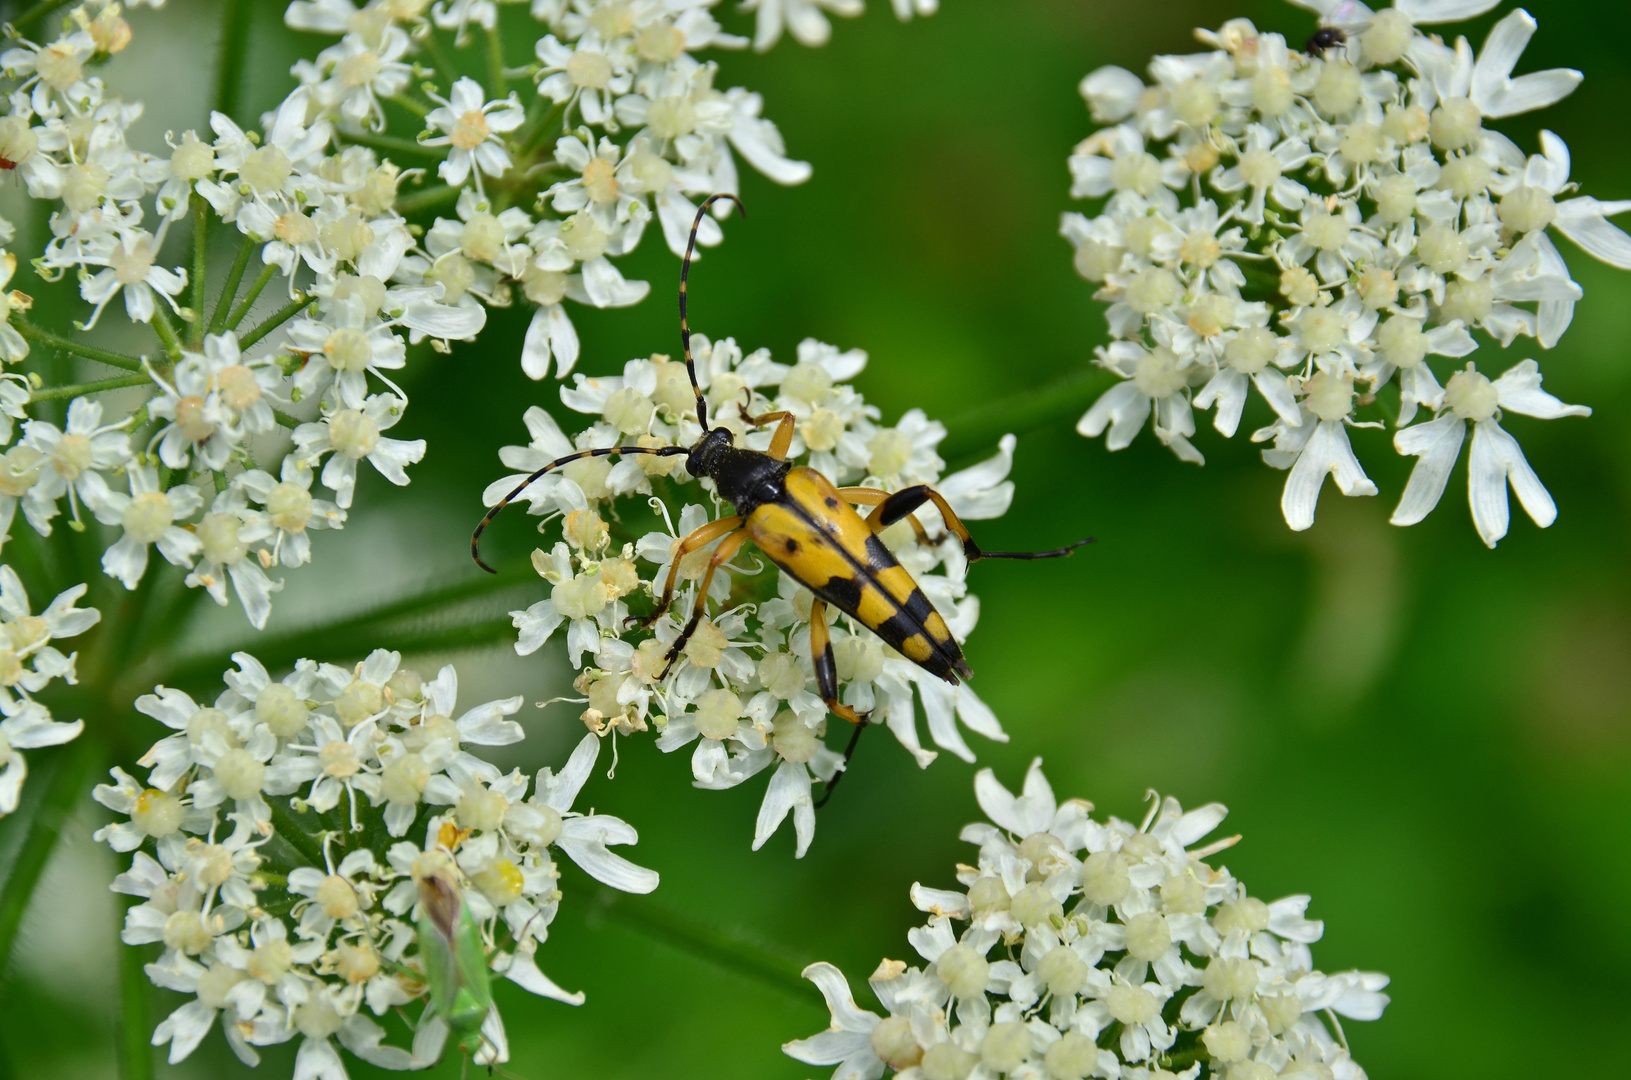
(1337, 26)
(809, 529)
(456, 967)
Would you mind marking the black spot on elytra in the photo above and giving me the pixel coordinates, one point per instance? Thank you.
(832, 503)
(792, 545)
(842, 593)
(918, 607)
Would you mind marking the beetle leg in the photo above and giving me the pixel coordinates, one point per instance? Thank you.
(700, 537)
(865, 496)
(826, 673)
(783, 437)
(826, 668)
(906, 500)
(722, 554)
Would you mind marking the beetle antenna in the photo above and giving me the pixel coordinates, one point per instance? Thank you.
(1054, 554)
(685, 274)
(605, 451)
(849, 752)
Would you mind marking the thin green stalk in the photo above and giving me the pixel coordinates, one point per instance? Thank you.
(979, 428)
(290, 422)
(275, 320)
(704, 940)
(229, 291)
(201, 225)
(81, 389)
(426, 200)
(248, 301)
(438, 58)
(402, 101)
(65, 787)
(229, 65)
(38, 12)
(135, 1047)
(389, 144)
(343, 634)
(539, 114)
(495, 59)
(167, 334)
(89, 352)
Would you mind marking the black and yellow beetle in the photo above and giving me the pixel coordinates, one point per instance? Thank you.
(807, 527)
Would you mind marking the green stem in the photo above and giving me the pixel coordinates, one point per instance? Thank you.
(229, 67)
(229, 291)
(37, 12)
(89, 352)
(495, 59)
(81, 389)
(539, 114)
(62, 794)
(167, 334)
(296, 834)
(439, 60)
(248, 301)
(390, 144)
(977, 429)
(425, 200)
(704, 940)
(402, 101)
(135, 1047)
(341, 636)
(290, 422)
(275, 320)
(201, 224)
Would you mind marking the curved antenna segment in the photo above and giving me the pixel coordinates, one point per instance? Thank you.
(605, 451)
(685, 274)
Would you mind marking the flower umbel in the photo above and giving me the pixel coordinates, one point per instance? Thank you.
(1076, 948)
(267, 864)
(1319, 228)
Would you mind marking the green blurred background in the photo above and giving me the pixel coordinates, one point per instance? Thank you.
(1431, 738)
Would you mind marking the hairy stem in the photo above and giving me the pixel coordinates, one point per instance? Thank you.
(976, 430)
(81, 389)
(707, 941)
(402, 101)
(201, 225)
(229, 291)
(255, 289)
(37, 12)
(427, 199)
(135, 1050)
(439, 60)
(62, 794)
(389, 144)
(89, 352)
(229, 66)
(167, 333)
(495, 58)
(275, 320)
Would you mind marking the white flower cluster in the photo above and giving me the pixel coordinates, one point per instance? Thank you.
(194, 446)
(623, 118)
(28, 663)
(1120, 953)
(1322, 227)
(807, 21)
(741, 689)
(292, 916)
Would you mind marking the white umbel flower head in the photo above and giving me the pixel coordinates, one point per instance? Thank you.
(1326, 227)
(1123, 952)
(288, 921)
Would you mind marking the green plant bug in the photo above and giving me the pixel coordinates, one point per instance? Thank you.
(455, 962)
